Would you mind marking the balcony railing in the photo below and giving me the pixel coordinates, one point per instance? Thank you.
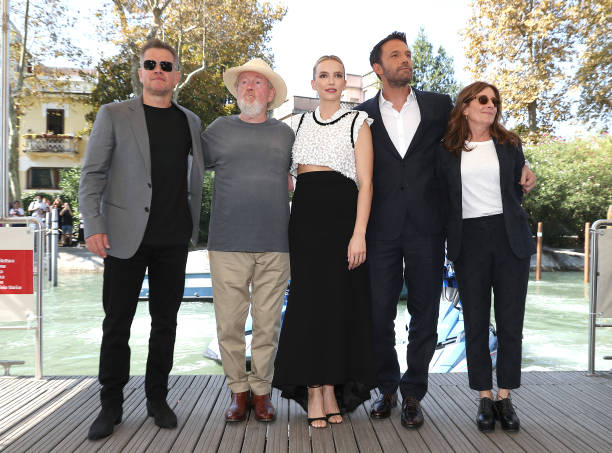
(50, 143)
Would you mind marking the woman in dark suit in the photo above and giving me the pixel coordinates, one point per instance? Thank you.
(479, 167)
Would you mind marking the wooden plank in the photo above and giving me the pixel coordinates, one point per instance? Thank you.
(72, 430)
(21, 394)
(464, 423)
(505, 441)
(602, 395)
(344, 438)
(557, 426)
(199, 416)
(364, 431)
(28, 432)
(134, 416)
(30, 403)
(148, 431)
(446, 426)
(255, 435)
(579, 403)
(322, 440)
(299, 437)
(278, 432)
(411, 438)
(597, 435)
(386, 433)
(213, 431)
(165, 438)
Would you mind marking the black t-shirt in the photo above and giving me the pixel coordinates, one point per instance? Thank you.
(170, 144)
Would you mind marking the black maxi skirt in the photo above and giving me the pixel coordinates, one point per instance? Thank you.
(325, 337)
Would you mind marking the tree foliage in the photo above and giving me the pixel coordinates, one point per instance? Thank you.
(38, 35)
(574, 185)
(540, 54)
(432, 72)
(209, 36)
(594, 75)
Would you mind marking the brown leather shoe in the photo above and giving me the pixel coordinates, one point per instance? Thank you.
(381, 408)
(239, 406)
(264, 410)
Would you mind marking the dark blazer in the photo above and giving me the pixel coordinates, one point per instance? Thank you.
(406, 191)
(511, 162)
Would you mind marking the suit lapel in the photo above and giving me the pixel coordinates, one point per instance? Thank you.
(138, 124)
(503, 163)
(419, 132)
(384, 135)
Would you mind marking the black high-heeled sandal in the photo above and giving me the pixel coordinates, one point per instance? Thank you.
(314, 419)
(334, 414)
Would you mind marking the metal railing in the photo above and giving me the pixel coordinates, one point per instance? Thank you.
(49, 144)
(37, 323)
(596, 231)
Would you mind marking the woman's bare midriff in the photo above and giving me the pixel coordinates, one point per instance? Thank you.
(304, 168)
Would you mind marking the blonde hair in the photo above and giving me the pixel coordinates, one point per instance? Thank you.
(324, 58)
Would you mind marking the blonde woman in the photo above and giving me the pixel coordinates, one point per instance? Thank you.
(324, 360)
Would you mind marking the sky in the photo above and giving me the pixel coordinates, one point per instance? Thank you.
(349, 29)
(312, 28)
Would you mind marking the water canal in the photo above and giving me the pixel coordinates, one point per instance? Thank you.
(555, 334)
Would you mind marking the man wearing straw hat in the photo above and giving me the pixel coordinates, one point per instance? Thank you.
(247, 243)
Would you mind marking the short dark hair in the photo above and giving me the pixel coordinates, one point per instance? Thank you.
(377, 50)
(158, 44)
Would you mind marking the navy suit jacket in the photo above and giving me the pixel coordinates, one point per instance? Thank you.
(407, 194)
(511, 162)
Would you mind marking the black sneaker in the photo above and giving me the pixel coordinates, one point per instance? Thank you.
(485, 418)
(504, 412)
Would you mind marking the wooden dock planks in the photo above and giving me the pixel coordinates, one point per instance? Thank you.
(559, 411)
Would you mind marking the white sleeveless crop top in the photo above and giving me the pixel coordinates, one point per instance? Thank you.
(328, 143)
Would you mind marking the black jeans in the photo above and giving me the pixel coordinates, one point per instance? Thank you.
(486, 261)
(422, 257)
(122, 282)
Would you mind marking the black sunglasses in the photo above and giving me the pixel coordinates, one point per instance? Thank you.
(484, 100)
(165, 66)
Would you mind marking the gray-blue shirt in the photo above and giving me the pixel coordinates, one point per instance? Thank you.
(250, 202)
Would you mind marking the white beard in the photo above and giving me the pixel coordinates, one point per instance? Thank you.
(251, 109)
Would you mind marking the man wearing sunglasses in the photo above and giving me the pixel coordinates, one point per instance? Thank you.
(140, 194)
(405, 231)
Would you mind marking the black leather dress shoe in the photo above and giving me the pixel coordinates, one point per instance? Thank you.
(164, 416)
(412, 414)
(485, 419)
(381, 408)
(504, 412)
(105, 422)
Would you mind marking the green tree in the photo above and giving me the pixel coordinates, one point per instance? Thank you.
(432, 73)
(522, 47)
(69, 184)
(209, 36)
(574, 185)
(37, 36)
(594, 76)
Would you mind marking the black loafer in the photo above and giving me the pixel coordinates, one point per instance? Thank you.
(105, 422)
(161, 412)
(485, 419)
(381, 408)
(504, 412)
(412, 414)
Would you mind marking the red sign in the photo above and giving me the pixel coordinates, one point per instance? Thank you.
(16, 272)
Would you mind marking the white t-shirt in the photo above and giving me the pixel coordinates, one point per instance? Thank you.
(480, 185)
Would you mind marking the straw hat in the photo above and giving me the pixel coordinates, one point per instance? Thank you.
(257, 65)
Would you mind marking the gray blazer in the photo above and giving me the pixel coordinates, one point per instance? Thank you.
(115, 189)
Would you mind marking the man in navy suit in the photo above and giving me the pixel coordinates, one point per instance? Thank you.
(406, 228)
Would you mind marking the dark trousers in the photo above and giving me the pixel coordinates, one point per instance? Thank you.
(122, 282)
(486, 261)
(423, 260)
